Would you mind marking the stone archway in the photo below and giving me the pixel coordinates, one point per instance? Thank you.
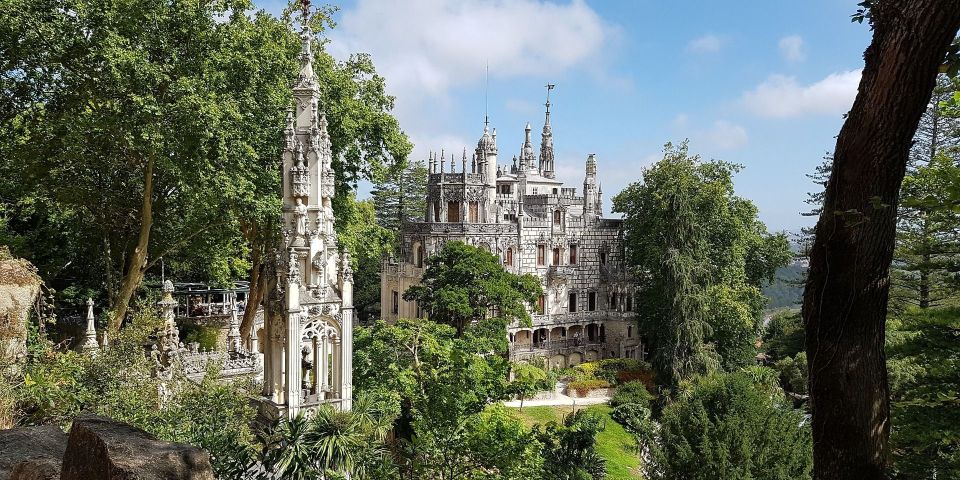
(574, 358)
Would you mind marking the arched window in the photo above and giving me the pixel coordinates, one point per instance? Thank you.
(420, 255)
(556, 256)
(556, 217)
(508, 260)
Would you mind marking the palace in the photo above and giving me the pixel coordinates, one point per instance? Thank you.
(534, 224)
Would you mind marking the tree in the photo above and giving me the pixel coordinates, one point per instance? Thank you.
(445, 383)
(402, 195)
(845, 299)
(527, 381)
(924, 362)
(569, 450)
(464, 285)
(367, 242)
(700, 255)
(927, 222)
(142, 131)
(727, 425)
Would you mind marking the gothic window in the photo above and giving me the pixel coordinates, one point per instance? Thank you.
(572, 306)
(541, 304)
(396, 302)
(556, 217)
(436, 211)
(592, 301)
(630, 331)
(420, 255)
(453, 212)
(509, 257)
(573, 254)
(556, 256)
(629, 306)
(474, 212)
(613, 301)
(554, 191)
(541, 255)
(603, 258)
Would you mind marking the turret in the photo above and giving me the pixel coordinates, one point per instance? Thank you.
(591, 193)
(527, 159)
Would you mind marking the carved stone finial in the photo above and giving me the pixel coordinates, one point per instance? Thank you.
(90, 339)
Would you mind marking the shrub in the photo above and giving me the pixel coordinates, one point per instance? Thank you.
(583, 387)
(631, 392)
(635, 418)
(615, 370)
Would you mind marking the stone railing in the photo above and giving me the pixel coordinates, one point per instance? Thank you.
(402, 269)
(195, 362)
(557, 345)
(463, 228)
(575, 317)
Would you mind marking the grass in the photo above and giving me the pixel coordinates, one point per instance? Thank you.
(614, 444)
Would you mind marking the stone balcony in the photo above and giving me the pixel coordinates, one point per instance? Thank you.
(557, 346)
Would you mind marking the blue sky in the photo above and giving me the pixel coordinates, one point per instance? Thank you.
(759, 83)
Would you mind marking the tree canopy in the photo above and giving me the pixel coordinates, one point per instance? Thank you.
(700, 255)
(141, 131)
(465, 285)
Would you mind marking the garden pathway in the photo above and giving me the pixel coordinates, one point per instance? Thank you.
(559, 399)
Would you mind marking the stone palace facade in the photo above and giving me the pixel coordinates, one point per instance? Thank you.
(534, 224)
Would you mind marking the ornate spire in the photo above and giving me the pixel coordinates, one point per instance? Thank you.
(234, 345)
(526, 153)
(90, 340)
(546, 141)
(306, 78)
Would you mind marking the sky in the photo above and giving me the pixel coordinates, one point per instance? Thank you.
(760, 83)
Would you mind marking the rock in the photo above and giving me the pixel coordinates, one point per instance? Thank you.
(102, 449)
(31, 449)
(19, 287)
(37, 469)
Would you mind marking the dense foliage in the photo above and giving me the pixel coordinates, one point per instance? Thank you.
(923, 361)
(730, 426)
(465, 285)
(701, 256)
(132, 132)
(57, 385)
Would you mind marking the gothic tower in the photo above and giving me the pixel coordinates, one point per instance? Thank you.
(546, 142)
(308, 344)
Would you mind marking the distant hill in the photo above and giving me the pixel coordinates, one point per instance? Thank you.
(787, 288)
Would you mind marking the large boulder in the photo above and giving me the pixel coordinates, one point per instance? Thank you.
(102, 449)
(31, 452)
(19, 287)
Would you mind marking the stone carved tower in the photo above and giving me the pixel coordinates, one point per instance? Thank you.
(308, 338)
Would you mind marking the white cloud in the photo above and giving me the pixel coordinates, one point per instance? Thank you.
(724, 135)
(680, 121)
(709, 43)
(792, 49)
(425, 47)
(781, 96)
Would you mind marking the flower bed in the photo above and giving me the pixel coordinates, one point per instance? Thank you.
(582, 388)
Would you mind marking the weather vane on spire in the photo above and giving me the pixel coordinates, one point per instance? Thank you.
(550, 86)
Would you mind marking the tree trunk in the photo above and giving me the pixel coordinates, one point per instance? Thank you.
(255, 296)
(845, 300)
(137, 264)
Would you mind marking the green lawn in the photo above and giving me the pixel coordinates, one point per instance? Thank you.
(614, 444)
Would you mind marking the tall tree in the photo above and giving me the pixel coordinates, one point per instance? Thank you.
(700, 255)
(149, 130)
(464, 285)
(928, 224)
(401, 195)
(845, 300)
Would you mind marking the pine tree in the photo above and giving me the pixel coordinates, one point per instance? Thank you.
(402, 195)
(927, 218)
